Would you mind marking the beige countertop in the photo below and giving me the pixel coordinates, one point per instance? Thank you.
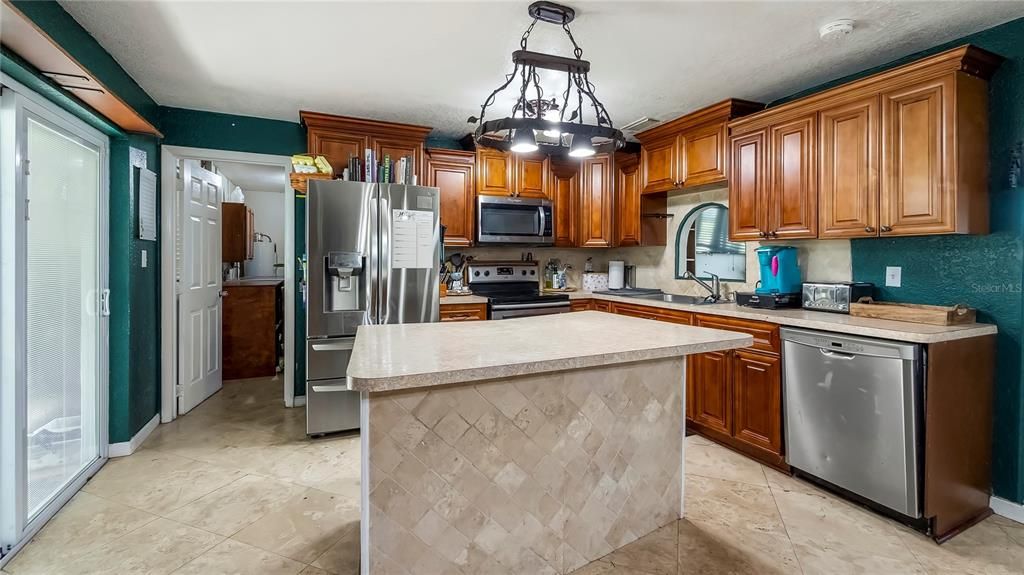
(824, 321)
(455, 299)
(393, 357)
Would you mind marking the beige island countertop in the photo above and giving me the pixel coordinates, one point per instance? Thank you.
(393, 357)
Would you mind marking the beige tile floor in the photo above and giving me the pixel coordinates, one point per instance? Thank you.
(235, 487)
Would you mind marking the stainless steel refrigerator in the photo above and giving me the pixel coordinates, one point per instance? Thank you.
(373, 258)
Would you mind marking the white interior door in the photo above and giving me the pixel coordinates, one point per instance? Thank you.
(54, 311)
(199, 305)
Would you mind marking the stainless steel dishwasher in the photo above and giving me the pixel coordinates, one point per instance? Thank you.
(853, 410)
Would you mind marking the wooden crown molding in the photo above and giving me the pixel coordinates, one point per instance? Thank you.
(967, 59)
(21, 35)
(721, 112)
(363, 126)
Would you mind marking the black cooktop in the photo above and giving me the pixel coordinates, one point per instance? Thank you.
(526, 298)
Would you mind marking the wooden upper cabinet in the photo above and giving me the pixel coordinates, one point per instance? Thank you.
(596, 202)
(691, 150)
(748, 211)
(627, 202)
(234, 226)
(339, 138)
(757, 399)
(565, 194)
(494, 173)
(659, 163)
(531, 173)
(793, 188)
(918, 186)
(704, 154)
(903, 152)
(848, 170)
(452, 172)
(338, 147)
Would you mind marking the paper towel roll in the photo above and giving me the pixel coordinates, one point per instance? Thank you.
(616, 274)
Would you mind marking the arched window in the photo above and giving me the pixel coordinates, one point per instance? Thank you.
(703, 246)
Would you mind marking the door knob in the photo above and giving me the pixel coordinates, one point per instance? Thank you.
(869, 229)
(223, 293)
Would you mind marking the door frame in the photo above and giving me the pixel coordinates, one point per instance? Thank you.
(168, 295)
(12, 302)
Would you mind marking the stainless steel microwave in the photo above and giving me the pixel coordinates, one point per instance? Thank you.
(506, 220)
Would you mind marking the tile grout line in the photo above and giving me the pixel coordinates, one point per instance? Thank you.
(771, 492)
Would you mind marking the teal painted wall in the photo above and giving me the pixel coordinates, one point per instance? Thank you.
(982, 271)
(135, 293)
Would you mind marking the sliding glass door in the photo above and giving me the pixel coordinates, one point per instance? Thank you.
(53, 312)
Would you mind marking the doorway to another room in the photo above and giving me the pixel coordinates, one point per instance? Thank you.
(228, 224)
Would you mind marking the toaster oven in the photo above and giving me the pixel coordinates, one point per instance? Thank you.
(834, 296)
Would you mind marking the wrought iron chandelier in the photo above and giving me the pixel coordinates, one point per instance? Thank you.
(539, 124)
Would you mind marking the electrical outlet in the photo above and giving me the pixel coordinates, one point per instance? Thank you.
(145, 261)
(893, 276)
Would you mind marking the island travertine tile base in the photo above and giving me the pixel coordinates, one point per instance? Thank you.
(536, 474)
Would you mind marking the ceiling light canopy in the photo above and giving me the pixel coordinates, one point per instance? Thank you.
(533, 115)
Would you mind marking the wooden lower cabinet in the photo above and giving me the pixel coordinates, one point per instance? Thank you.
(711, 394)
(252, 324)
(757, 399)
(463, 312)
(735, 397)
(581, 305)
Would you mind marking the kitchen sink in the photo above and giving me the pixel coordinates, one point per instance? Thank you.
(675, 298)
(658, 295)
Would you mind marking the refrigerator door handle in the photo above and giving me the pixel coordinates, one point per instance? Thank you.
(373, 295)
(343, 345)
(330, 388)
(384, 287)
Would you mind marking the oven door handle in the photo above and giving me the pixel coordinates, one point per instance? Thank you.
(503, 307)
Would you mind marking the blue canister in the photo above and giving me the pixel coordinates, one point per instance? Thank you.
(780, 270)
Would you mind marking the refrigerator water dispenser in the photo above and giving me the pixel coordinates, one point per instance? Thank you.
(344, 276)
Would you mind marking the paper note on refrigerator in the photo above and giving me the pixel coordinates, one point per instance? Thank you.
(412, 239)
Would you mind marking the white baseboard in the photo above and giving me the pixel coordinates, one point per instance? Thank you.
(126, 448)
(1007, 509)
(299, 401)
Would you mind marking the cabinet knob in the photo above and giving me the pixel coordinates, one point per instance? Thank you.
(869, 229)
(773, 234)
(886, 228)
(761, 234)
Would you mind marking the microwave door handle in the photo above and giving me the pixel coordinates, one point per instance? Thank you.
(543, 220)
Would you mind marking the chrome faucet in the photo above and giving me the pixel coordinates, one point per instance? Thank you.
(714, 290)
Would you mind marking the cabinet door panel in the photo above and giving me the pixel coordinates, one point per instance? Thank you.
(757, 399)
(917, 190)
(659, 165)
(397, 149)
(455, 179)
(565, 191)
(494, 177)
(338, 148)
(531, 177)
(596, 203)
(627, 204)
(747, 182)
(712, 403)
(793, 192)
(704, 155)
(849, 170)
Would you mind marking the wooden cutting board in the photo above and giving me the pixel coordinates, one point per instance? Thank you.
(914, 312)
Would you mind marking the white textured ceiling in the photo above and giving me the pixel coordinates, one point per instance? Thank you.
(253, 177)
(433, 63)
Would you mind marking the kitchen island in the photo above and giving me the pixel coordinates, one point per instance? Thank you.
(532, 445)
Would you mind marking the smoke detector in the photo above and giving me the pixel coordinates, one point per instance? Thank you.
(836, 30)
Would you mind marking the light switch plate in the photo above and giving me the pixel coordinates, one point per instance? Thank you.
(144, 259)
(893, 276)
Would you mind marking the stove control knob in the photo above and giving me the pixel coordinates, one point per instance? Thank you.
(524, 272)
(487, 273)
(533, 272)
(476, 273)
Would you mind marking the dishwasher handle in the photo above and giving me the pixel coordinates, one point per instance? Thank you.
(836, 354)
(847, 347)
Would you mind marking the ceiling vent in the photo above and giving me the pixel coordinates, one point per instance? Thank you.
(640, 124)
